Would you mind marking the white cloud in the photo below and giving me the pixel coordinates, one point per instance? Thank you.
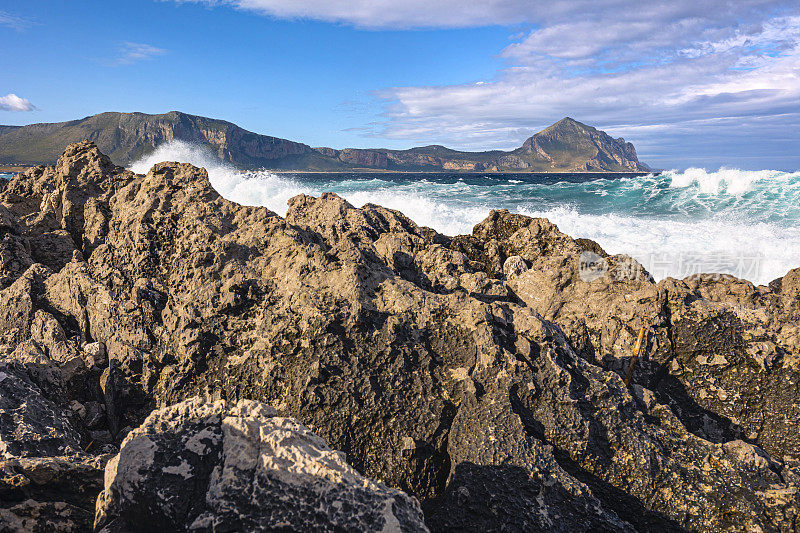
(13, 21)
(730, 78)
(504, 111)
(12, 102)
(776, 35)
(389, 13)
(133, 52)
(479, 13)
(685, 67)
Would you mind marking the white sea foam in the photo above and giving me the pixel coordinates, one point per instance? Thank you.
(758, 252)
(273, 191)
(440, 215)
(715, 229)
(726, 180)
(247, 188)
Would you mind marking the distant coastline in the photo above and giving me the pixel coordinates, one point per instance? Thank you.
(465, 172)
(566, 146)
(13, 169)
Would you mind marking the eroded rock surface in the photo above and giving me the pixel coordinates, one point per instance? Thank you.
(47, 482)
(479, 373)
(205, 466)
(722, 353)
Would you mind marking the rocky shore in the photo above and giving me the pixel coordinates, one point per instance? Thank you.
(170, 360)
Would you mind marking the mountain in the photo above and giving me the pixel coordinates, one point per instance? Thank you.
(128, 136)
(567, 145)
(578, 147)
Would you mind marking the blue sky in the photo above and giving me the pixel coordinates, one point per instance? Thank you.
(713, 83)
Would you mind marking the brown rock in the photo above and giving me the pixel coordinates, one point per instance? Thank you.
(377, 334)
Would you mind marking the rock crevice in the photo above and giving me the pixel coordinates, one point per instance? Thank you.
(480, 374)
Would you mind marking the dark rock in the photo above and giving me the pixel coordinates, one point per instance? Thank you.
(47, 482)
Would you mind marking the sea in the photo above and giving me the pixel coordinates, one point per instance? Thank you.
(676, 223)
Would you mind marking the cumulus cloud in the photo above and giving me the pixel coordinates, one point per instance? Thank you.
(12, 102)
(134, 52)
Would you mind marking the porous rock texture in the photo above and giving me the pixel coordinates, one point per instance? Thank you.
(237, 467)
(47, 481)
(479, 373)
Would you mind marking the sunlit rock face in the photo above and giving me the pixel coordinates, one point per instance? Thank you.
(479, 374)
(240, 467)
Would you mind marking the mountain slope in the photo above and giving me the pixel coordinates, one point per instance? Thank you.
(565, 146)
(579, 147)
(128, 136)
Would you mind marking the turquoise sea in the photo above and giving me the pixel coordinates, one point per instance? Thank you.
(675, 223)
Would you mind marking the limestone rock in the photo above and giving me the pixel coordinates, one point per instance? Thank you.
(205, 466)
(496, 400)
(722, 353)
(47, 482)
(514, 266)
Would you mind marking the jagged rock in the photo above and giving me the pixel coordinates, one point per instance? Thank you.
(241, 468)
(514, 266)
(95, 354)
(14, 255)
(30, 425)
(495, 399)
(721, 352)
(47, 482)
(735, 356)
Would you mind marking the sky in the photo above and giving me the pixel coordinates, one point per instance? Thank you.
(704, 83)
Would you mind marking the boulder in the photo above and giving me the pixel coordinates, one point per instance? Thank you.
(207, 466)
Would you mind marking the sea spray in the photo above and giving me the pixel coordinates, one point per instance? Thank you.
(259, 188)
(759, 252)
(677, 223)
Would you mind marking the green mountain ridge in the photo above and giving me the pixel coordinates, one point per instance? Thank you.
(566, 146)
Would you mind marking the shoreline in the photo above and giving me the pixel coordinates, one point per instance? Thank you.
(480, 356)
(465, 172)
(14, 169)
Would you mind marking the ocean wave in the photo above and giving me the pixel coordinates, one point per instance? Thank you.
(259, 188)
(759, 252)
(671, 223)
(731, 181)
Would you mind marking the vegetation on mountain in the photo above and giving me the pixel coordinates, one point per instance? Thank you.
(565, 146)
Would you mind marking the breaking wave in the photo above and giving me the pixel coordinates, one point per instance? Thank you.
(677, 223)
(246, 188)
